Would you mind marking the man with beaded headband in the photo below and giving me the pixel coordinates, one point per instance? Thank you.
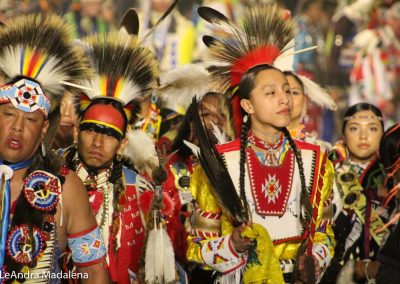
(124, 71)
(43, 205)
(270, 187)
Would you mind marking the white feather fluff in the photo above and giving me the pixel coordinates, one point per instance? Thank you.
(159, 258)
(49, 76)
(141, 150)
(179, 86)
(367, 40)
(285, 60)
(194, 148)
(317, 94)
(129, 91)
(220, 135)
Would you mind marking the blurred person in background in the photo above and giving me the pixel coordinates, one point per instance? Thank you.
(68, 121)
(173, 41)
(375, 74)
(85, 18)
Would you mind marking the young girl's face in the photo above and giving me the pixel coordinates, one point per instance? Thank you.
(299, 99)
(270, 101)
(362, 135)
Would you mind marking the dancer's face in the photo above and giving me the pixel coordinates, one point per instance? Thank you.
(21, 133)
(299, 99)
(362, 135)
(270, 103)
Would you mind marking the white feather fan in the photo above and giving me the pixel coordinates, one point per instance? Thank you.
(179, 86)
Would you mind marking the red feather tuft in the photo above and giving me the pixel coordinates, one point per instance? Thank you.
(262, 55)
(145, 201)
(236, 115)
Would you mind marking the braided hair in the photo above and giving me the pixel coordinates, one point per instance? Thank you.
(246, 86)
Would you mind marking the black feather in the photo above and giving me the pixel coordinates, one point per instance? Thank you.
(212, 16)
(209, 40)
(214, 168)
(165, 15)
(130, 21)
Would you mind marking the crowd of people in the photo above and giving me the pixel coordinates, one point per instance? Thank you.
(214, 141)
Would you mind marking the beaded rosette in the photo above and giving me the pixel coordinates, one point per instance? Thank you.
(23, 246)
(27, 244)
(42, 190)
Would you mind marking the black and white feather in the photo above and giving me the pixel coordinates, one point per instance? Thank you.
(262, 25)
(180, 85)
(124, 69)
(216, 172)
(47, 39)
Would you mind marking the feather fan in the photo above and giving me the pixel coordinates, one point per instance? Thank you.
(216, 172)
(124, 69)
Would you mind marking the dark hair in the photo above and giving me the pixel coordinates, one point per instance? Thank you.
(185, 130)
(183, 134)
(246, 86)
(361, 107)
(290, 73)
(389, 149)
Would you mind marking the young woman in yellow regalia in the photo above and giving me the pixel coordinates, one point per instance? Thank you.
(262, 214)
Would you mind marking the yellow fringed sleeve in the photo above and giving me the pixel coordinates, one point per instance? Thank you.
(264, 268)
(201, 191)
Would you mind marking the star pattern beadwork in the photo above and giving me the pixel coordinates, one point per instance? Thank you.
(271, 188)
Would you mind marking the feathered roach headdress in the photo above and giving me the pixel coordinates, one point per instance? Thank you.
(125, 72)
(38, 63)
(265, 37)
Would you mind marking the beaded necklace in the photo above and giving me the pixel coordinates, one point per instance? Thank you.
(273, 154)
(100, 183)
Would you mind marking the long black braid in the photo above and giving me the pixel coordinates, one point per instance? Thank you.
(242, 162)
(305, 219)
(304, 196)
(119, 194)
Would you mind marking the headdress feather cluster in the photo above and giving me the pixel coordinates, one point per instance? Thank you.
(40, 48)
(179, 86)
(265, 34)
(125, 70)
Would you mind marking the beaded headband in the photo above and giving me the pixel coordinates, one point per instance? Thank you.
(363, 117)
(25, 95)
